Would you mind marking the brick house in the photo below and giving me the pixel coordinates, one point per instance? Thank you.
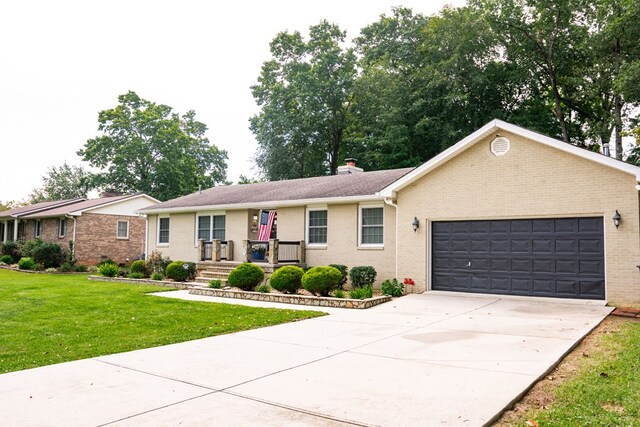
(102, 228)
(504, 211)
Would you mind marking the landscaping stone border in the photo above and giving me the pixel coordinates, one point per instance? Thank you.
(291, 299)
(8, 267)
(165, 283)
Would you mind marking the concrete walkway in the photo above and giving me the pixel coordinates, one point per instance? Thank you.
(419, 360)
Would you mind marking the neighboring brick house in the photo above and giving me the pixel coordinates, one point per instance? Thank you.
(101, 228)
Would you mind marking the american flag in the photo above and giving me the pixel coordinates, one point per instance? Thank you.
(266, 223)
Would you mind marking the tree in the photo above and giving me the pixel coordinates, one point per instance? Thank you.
(304, 92)
(63, 182)
(146, 147)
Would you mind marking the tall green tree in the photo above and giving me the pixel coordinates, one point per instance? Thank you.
(146, 147)
(63, 182)
(304, 92)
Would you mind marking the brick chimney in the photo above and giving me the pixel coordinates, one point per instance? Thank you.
(349, 167)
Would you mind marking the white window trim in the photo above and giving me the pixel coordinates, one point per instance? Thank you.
(118, 229)
(158, 230)
(210, 214)
(362, 206)
(306, 226)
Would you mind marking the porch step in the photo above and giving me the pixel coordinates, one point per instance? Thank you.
(214, 274)
(205, 280)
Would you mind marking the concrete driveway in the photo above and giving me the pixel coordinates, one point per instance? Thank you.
(419, 360)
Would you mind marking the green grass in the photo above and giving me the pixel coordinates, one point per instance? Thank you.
(47, 319)
(606, 390)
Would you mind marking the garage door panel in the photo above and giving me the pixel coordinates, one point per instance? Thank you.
(540, 257)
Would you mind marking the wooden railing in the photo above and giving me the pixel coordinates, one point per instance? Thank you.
(216, 250)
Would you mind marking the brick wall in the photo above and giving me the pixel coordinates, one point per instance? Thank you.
(96, 238)
(531, 180)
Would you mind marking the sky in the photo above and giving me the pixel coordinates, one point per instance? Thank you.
(61, 62)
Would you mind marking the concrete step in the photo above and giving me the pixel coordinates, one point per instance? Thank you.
(205, 280)
(214, 274)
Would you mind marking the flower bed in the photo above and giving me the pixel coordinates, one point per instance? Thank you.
(291, 298)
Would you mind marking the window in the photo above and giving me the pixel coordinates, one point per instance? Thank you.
(62, 227)
(317, 227)
(371, 225)
(210, 227)
(37, 228)
(163, 230)
(122, 230)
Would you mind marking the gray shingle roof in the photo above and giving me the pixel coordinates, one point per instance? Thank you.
(321, 187)
(79, 206)
(23, 210)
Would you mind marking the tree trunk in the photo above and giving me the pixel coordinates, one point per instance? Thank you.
(558, 111)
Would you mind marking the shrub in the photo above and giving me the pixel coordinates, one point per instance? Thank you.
(50, 270)
(139, 267)
(106, 261)
(136, 275)
(246, 276)
(12, 249)
(287, 279)
(343, 270)
(6, 259)
(157, 276)
(27, 246)
(392, 288)
(339, 293)
(26, 263)
(215, 283)
(156, 263)
(49, 254)
(123, 272)
(321, 280)
(81, 268)
(362, 276)
(361, 293)
(264, 288)
(181, 271)
(109, 269)
(92, 269)
(38, 267)
(65, 267)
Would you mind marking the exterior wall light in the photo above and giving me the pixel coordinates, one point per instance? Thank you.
(616, 219)
(415, 223)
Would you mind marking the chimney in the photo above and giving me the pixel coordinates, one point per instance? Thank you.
(110, 192)
(349, 167)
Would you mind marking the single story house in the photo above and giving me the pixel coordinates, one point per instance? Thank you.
(504, 211)
(108, 227)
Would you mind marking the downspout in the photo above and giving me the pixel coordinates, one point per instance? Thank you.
(146, 236)
(73, 252)
(389, 201)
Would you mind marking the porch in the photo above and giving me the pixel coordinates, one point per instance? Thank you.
(272, 251)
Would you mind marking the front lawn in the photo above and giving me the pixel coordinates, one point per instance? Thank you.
(598, 384)
(47, 319)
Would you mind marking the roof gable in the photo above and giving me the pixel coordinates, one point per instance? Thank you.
(491, 128)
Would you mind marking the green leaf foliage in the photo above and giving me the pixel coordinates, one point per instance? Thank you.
(146, 147)
(63, 182)
(321, 280)
(246, 276)
(362, 276)
(287, 279)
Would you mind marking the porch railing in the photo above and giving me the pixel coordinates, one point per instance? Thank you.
(216, 250)
(274, 251)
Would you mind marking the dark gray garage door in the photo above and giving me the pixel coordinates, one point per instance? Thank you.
(562, 257)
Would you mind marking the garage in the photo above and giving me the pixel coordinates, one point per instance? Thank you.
(550, 257)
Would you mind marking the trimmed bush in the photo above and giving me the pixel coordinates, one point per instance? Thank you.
(215, 284)
(6, 259)
(12, 249)
(287, 279)
(246, 276)
(157, 276)
(343, 270)
(81, 268)
(321, 280)
(139, 267)
(392, 288)
(109, 269)
(361, 293)
(136, 275)
(264, 288)
(27, 246)
(49, 254)
(363, 276)
(26, 263)
(177, 272)
(66, 267)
